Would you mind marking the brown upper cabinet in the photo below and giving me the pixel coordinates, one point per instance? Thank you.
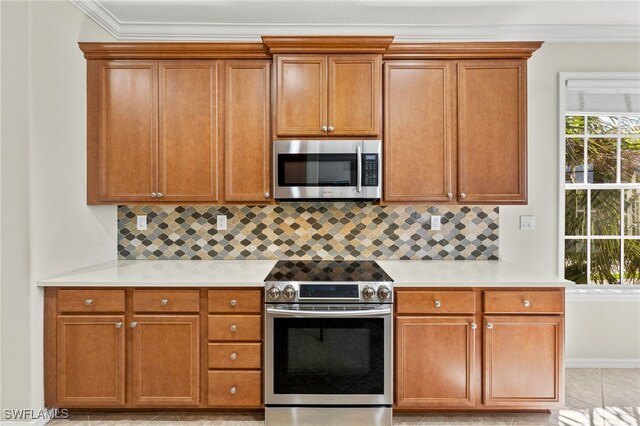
(455, 131)
(336, 95)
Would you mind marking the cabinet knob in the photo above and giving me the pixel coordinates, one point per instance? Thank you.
(233, 390)
(324, 128)
(437, 304)
(462, 195)
(118, 325)
(133, 324)
(450, 195)
(526, 303)
(233, 302)
(489, 325)
(160, 195)
(163, 302)
(154, 195)
(88, 302)
(233, 356)
(331, 129)
(267, 195)
(233, 328)
(474, 325)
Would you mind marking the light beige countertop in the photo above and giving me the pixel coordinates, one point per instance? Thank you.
(467, 273)
(251, 273)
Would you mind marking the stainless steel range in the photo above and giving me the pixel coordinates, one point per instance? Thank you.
(328, 343)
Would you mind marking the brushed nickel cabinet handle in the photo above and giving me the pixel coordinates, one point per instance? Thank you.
(450, 195)
(233, 302)
(489, 325)
(233, 328)
(160, 195)
(88, 302)
(474, 325)
(323, 128)
(526, 303)
(164, 302)
(437, 304)
(233, 390)
(462, 195)
(154, 195)
(267, 195)
(331, 129)
(133, 324)
(118, 324)
(233, 356)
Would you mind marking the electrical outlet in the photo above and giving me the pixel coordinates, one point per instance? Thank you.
(436, 223)
(221, 222)
(527, 223)
(141, 222)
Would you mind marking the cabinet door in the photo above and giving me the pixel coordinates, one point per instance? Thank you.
(246, 141)
(523, 358)
(492, 165)
(301, 95)
(90, 361)
(355, 95)
(166, 354)
(435, 362)
(419, 131)
(188, 140)
(128, 129)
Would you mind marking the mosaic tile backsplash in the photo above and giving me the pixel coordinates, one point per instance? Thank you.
(309, 230)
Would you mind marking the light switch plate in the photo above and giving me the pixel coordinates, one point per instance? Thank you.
(527, 222)
(436, 223)
(221, 222)
(141, 222)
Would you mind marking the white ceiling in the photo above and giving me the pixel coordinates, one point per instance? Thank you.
(415, 20)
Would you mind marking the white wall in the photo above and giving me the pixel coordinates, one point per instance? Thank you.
(47, 227)
(598, 331)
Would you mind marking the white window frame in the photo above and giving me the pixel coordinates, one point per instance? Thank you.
(562, 186)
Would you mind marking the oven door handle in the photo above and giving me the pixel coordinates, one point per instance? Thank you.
(359, 171)
(329, 314)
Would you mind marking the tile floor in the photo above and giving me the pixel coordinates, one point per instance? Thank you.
(602, 397)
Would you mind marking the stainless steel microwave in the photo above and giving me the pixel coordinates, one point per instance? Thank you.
(312, 169)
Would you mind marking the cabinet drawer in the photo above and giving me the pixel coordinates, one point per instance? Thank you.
(91, 300)
(166, 301)
(235, 327)
(232, 301)
(235, 355)
(523, 302)
(435, 302)
(235, 388)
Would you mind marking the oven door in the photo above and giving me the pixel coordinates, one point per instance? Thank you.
(328, 355)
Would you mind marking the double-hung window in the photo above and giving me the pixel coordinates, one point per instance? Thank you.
(600, 197)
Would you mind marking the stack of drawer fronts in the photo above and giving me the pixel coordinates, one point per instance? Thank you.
(235, 348)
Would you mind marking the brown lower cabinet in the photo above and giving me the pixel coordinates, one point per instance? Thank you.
(136, 348)
(506, 354)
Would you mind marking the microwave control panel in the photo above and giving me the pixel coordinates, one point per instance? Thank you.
(369, 169)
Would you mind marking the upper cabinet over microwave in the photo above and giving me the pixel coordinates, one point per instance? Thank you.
(334, 95)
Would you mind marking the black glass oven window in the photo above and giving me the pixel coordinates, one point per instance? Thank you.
(338, 356)
(317, 169)
(327, 291)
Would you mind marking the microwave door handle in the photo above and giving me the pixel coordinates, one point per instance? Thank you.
(359, 171)
(329, 314)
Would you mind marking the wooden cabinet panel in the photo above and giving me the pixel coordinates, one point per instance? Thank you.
(247, 138)
(235, 327)
(166, 300)
(93, 300)
(235, 388)
(523, 361)
(166, 353)
(235, 355)
(235, 301)
(523, 302)
(492, 102)
(435, 364)
(419, 131)
(435, 302)
(90, 361)
(188, 138)
(128, 126)
(301, 95)
(354, 97)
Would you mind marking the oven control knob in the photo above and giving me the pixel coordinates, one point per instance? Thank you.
(383, 292)
(368, 292)
(273, 292)
(289, 292)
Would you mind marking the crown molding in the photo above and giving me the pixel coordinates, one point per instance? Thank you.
(327, 44)
(182, 31)
(494, 50)
(125, 50)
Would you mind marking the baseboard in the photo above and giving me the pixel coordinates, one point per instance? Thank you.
(602, 363)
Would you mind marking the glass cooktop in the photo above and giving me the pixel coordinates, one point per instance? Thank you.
(327, 270)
